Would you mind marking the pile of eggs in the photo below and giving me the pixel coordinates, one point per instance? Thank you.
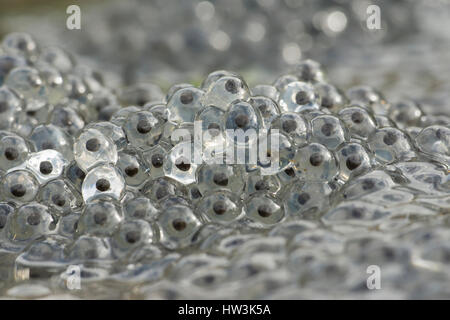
(91, 178)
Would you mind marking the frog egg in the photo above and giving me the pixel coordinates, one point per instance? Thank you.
(256, 182)
(213, 138)
(92, 148)
(97, 102)
(19, 186)
(68, 224)
(159, 110)
(133, 169)
(214, 76)
(19, 43)
(241, 118)
(221, 207)
(184, 104)
(173, 89)
(10, 106)
(193, 193)
(355, 212)
(390, 144)
(281, 82)
(279, 153)
(316, 162)
(114, 132)
(267, 108)
(13, 151)
(435, 141)
(139, 94)
(75, 175)
(263, 211)
(46, 165)
(106, 113)
(309, 71)
(6, 210)
(45, 137)
(180, 163)
(54, 82)
(154, 157)
(143, 129)
(329, 131)
(103, 181)
(99, 218)
(211, 177)
(8, 63)
(265, 90)
(76, 88)
(67, 118)
(368, 97)
(161, 188)
(299, 97)
(29, 222)
(140, 208)
(59, 197)
(28, 83)
(130, 235)
(367, 184)
(405, 113)
(307, 201)
(353, 161)
(331, 98)
(57, 58)
(294, 126)
(120, 117)
(358, 121)
(88, 248)
(177, 225)
(224, 91)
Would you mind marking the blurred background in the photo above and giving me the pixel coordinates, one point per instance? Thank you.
(168, 41)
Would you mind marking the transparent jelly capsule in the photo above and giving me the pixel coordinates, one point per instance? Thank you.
(159, 110)
(184, 105)
(99, 101)
(299, 97)
(279, 153)
(331, 98)
(92, 148)
(267, 109)
(368, 97)
(65, 117)
(181, 163)
(294, 126)
(99, 218)
(355, 212)
(133, 169)
(121, 115)
(28, 83)
(46, 165)
(8, 63)
(68, 224)
(316, 162)
(266, 90)
(241, 123)
(130, 235)
(256, 182)
(114, 132)
(213, 137)
(19, 186)
(390, 144)
(89, 248)
(194, 193)
(224, 91)
(19, 43)
(263, 211)
(329, 131)
(139, 94)
(13, 151)
(212, 177)
(178, 225)
(221, 207)
(307, 201)
(77, 88)
(54, 82)
(359, 121)
(160, 188)
(6, 210)
(173, 89)
(103, 181)
(214, 76)
(75, 175)
(29, 222)
(369, 183)
(45, 137)
(435, 142)
(282, 81)
(140, 208)
(57, 58)
(143, 129)
(154, 157)
(405, 113)
(59, 197)
(309, 71)
(10, 106)
(353, 160)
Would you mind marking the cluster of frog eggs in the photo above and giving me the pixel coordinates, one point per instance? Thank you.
(91, 176)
